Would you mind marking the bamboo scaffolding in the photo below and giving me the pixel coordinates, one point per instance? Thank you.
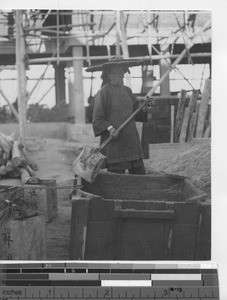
(42, 75)
(175, 63)
(44, 28)
(46, 16)
(111, 12)
(146, 58)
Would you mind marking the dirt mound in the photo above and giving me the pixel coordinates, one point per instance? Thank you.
(194, 163)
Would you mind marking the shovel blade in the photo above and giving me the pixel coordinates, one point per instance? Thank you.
(88, 164)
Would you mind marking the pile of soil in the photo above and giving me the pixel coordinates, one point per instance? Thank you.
(194, 163)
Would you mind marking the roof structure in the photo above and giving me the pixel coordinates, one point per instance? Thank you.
(100, 32)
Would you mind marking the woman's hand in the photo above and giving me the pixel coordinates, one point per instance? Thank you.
(150, 102)
(113, 133)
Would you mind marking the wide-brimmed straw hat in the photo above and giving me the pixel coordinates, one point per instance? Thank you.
(113, 61)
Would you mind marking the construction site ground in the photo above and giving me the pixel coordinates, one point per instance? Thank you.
(55, 157)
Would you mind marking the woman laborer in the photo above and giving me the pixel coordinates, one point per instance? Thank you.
(114, 103)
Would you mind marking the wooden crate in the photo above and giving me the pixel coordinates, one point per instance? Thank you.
(42, 197)
(23, 239)
(133, 217)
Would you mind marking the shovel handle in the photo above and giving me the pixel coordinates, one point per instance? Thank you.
(124, 123)
(105, 143)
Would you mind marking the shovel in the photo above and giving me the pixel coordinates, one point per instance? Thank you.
(89, 162)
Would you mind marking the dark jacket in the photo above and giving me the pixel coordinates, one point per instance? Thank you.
(113, 105)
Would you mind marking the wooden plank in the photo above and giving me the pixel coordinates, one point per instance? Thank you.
(143, 240)
(117, 232)
(192, 124)
(184, 127)
(203, 109)
(184, 242)
(172, 124)
(179, 116)
(207, 132)
(99, 244)
(144, 214)
(192, 102)
(192, 109)
(186, 213)
(208, 126)
(79, 221)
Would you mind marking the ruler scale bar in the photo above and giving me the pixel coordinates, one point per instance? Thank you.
(117, 281)
(115, 293)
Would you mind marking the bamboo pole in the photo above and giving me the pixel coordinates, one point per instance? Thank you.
(57, 34)
(60, 26)
(149, 43)
(172, 124)
(145, 58)
(184, 127)
(21, 74)
(118, 30)
(44, 95)
(179, 115)
(203, 108)
(124, 46)
(46, 16)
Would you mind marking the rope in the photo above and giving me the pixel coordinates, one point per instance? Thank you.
(38, 187)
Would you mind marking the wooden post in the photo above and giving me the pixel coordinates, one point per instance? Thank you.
(179, 116)
(78, 87)
(207, 130)
(184, 127)
(124, 46)
(118, 39)
(21, 74)
(60, 82)
(203, 108)
(187, 116)
(192, 124)
(57, 34)
(172, 124)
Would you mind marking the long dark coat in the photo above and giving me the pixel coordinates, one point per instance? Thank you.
(113, 105)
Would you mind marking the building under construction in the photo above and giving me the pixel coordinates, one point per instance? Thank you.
(47, 100)
(66, 42)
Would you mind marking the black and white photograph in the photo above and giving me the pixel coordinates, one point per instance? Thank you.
(105, 134)
(112, 150)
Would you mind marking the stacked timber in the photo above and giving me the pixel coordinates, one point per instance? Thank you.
(194, 120)
(14, 160)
